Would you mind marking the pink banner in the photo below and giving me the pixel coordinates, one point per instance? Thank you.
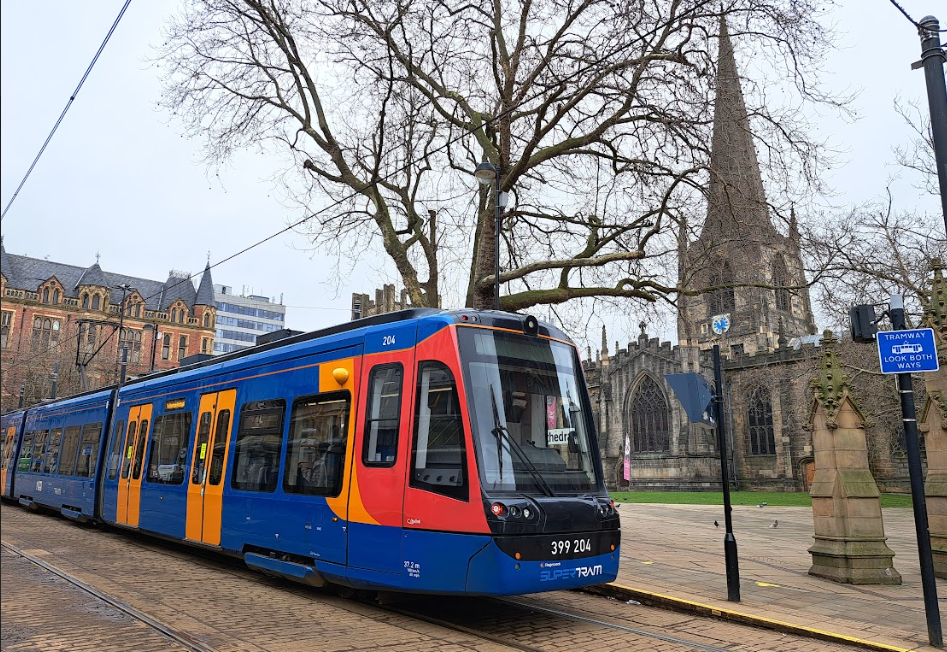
(552, 420)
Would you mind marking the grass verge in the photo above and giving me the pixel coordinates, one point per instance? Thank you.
(771, 498)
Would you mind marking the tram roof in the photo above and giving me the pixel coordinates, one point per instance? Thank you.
(489, 318)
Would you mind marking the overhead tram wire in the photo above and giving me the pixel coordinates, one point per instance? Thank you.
(908, 16)
(406, 166)
(62, 115)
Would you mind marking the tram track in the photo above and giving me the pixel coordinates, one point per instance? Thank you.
(528, 612)
(402, 603)
(535, 623)
(485, 607)
(175, 635)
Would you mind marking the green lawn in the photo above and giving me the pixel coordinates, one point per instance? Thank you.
(771, 498)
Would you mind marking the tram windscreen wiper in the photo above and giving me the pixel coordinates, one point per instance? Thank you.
(502, 434)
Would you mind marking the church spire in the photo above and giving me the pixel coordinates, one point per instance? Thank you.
(737, 204)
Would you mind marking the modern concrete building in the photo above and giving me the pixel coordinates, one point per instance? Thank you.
(242, 317)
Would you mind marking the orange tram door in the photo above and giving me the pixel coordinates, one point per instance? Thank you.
(205, 485)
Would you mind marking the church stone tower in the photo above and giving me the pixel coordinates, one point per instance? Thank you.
(738, 243)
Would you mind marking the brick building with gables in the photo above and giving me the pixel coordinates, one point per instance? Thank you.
(84, 317)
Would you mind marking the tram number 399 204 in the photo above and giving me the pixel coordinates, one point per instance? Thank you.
(571, 546)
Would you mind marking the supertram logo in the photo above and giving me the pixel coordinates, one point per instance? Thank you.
(570, 573)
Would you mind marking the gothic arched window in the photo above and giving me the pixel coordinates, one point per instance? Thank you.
(721, 300)
(55, 297)
(95, 301)
(85, 300)
(649, 418)
(759, 420)
(45, 333)
(780, 281)
(45, 295)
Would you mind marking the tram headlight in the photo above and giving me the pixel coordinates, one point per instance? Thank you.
(527, 512)
(498, 509)
(514, 511)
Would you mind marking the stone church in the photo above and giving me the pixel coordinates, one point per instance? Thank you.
(769, 351)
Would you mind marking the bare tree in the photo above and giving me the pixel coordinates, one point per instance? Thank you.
(872, 251)
(597, 115)
(918, 154)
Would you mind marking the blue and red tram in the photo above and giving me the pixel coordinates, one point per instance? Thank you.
(422, 451)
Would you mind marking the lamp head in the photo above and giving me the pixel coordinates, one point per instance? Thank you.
(485, 172)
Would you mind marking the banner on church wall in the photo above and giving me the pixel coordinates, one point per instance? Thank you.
(627, 458)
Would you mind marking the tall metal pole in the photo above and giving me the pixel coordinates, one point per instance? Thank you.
(932, 58)
(55, 384)
(122, 346)
(154, 345)
(906, 391)
(121, 379)
(729, 541)
(496, 244)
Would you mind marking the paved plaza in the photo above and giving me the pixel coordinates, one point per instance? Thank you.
(676, 551)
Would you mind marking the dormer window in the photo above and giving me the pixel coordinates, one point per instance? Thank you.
(96, 302)
(55, 297)
(174, 314)
(45, 295)
(85, 301)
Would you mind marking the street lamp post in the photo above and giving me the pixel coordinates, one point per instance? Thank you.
(488, 174)
(122, 346)
(154, 342)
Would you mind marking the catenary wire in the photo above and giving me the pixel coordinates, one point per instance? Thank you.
(412, 162)
(62, 115)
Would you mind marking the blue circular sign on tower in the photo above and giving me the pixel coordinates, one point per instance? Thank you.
(720, 323)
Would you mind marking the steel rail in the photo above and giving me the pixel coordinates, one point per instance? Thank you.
(174, 635)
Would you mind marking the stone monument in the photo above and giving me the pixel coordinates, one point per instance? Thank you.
(932, 423)
(846, 504)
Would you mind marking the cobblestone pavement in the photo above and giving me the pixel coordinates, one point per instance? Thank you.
(675, 550)
(221, 606)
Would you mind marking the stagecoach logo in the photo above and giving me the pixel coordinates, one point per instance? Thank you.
(551, 564)
(569, 573)
(414, 521)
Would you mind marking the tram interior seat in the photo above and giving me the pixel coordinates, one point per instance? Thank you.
(444, 467)
(544, 459)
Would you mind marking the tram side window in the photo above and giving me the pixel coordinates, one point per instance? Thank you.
(39, 451)
(23, 464)
(200, 447)
(315, 454)
(218, 457)
(115, 452)
(88, 450)
(128, 449)
(52, 451)
(168, 455)
(383, 418)
(438, 453)
(70, 446)
(257, 449)
(9, 447)
(140, 448)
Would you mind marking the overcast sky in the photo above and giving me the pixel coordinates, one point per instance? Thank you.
(119, 180)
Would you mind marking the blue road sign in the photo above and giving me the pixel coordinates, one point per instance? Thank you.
(904, 352)
(694, 394)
